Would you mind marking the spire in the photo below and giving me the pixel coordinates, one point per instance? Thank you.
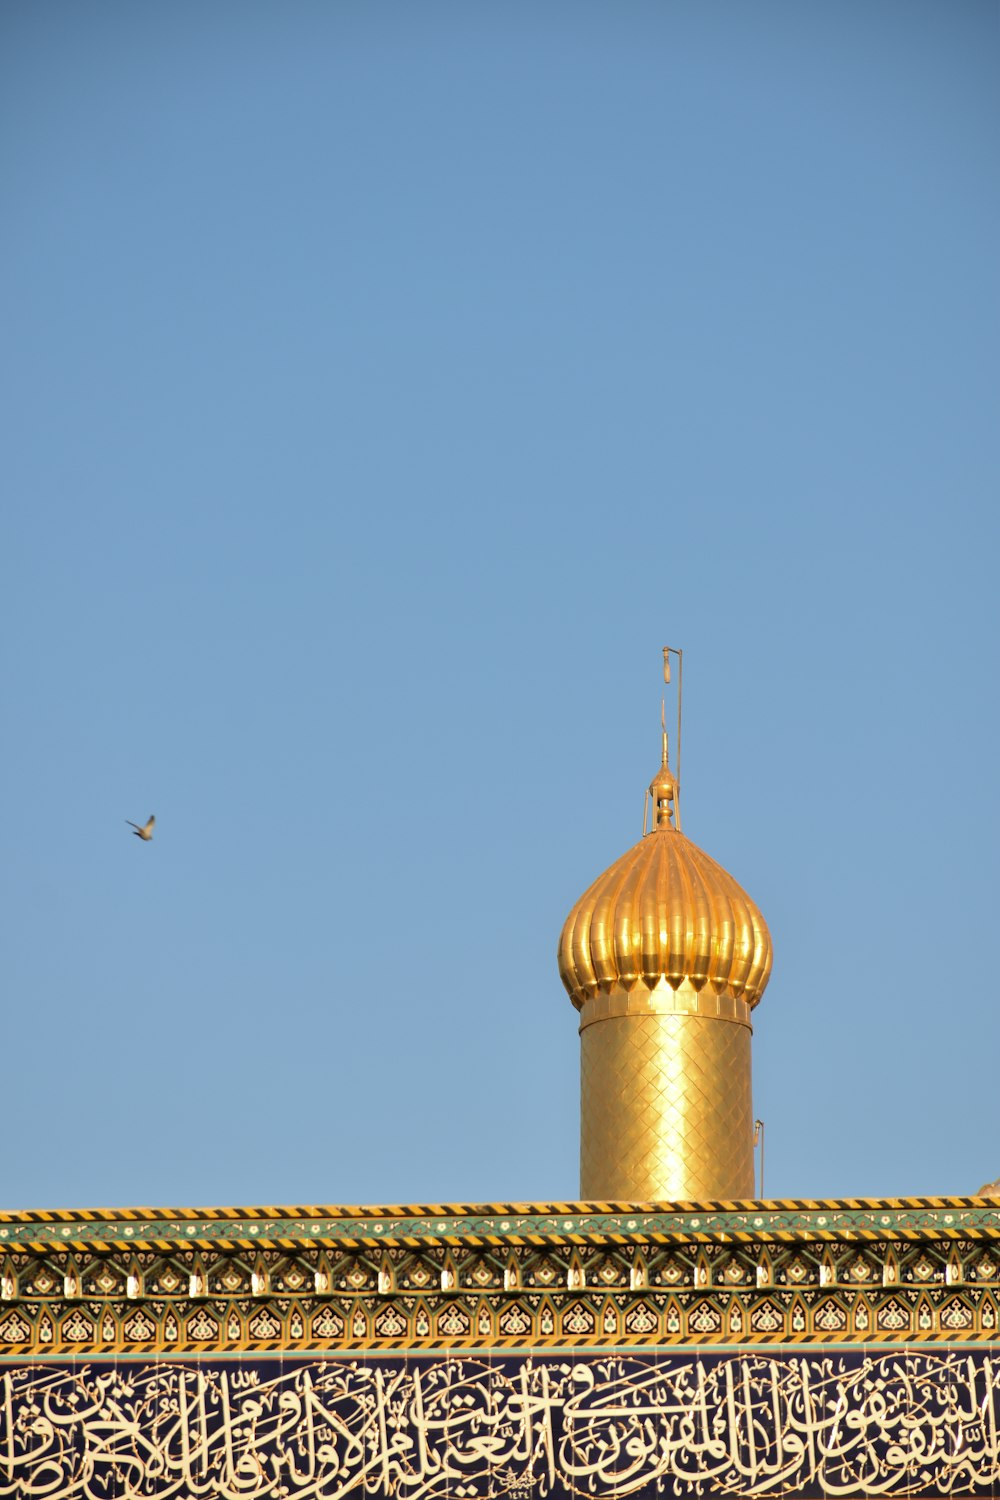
(664, 789)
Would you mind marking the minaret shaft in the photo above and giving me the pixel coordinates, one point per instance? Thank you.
(666, 1109)
(665, 957)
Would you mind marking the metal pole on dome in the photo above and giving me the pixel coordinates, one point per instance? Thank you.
(669, 651)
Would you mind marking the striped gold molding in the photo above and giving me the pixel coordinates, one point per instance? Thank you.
(514, 1223)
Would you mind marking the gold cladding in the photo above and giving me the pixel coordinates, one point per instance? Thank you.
(665, 911)
(684, 1001)
(666, 1109)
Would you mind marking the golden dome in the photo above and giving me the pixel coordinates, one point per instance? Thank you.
(666, 912)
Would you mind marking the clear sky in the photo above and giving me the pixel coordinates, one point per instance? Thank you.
(383, 384)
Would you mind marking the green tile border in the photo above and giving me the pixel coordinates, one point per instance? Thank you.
(897, 1218)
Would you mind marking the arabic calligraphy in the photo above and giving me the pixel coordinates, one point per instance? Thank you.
(842, 1424)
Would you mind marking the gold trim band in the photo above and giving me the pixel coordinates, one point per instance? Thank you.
(664, 1001)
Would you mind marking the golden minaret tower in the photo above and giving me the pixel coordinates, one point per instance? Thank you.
(665, 956)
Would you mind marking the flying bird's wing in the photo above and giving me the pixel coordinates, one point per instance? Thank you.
(131, 824)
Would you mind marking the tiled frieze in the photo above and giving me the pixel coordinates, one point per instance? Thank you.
(162, 1287)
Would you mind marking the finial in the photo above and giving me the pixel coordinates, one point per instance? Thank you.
(664, 789)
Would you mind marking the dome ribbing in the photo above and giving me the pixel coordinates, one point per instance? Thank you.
(665, 911)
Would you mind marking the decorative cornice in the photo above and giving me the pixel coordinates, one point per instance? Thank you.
(180, 1295)
(513, 1223)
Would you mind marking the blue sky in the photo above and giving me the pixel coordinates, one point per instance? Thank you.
(384, 385)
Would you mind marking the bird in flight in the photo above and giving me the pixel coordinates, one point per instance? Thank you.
(143, 831)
